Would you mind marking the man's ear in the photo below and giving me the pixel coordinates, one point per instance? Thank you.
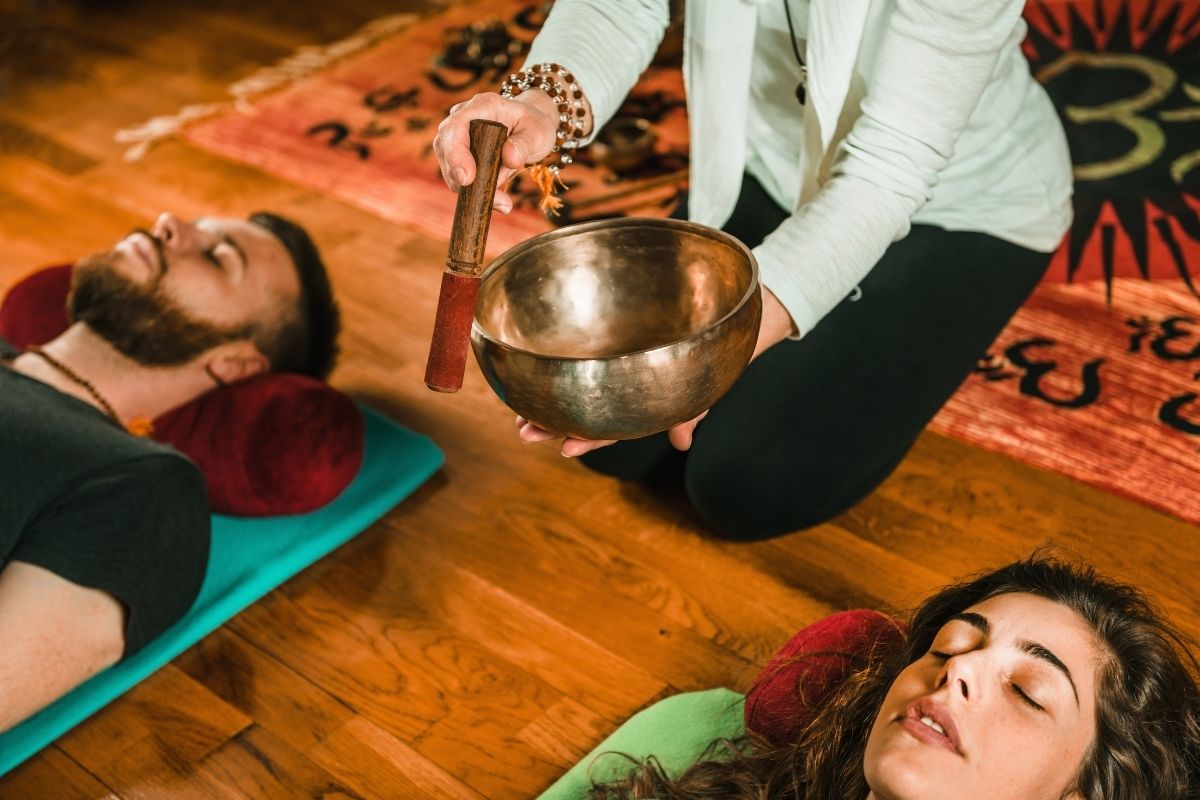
(235, 361)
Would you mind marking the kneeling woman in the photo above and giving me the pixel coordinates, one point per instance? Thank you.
(1039, 681)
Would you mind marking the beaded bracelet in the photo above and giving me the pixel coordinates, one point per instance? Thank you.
(560, 85)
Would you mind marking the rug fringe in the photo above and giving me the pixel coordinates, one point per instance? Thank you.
(304, 61)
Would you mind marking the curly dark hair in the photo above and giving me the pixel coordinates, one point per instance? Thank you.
(303, 338)
(1147, 743)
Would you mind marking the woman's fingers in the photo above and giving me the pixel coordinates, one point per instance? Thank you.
(503, 202)
(513, 155)
(571, 447)
(681, 435)
(452, 147)
(532, 433)
(577, 447)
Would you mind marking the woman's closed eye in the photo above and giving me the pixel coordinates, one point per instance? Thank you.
(1024, 696)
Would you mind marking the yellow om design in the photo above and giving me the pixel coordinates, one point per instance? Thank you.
(1127, 112)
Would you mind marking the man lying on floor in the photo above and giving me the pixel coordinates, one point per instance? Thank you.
(104, 535)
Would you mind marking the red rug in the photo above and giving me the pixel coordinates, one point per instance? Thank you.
(361, 131)
(1108, 395)
(1097, 377)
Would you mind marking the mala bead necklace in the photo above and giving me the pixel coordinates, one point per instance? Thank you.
(562, 88)
(138, 426)
(802, 86)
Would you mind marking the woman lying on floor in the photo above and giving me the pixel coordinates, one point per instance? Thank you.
(1039, 681)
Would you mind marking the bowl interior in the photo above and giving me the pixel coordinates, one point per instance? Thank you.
(610, 288)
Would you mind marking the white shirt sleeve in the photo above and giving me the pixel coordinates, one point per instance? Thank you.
(934, 62)
(606, 44)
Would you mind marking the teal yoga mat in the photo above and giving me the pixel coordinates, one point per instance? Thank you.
(249, 557)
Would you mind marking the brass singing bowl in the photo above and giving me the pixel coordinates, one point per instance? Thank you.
(617, 329)
(623, 144)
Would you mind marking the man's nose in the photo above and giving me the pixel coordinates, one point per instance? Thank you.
(177, 235)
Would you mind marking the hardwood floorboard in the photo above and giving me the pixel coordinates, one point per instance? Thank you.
(991, 509)
(18, 140)
(148, 742)
(521, 633)
(256, 764)
(506, 617)
(404, 672)
(52, 776)
(169, 706)
(296, 711)
(374, 762)
(562, 568)
(565, 732)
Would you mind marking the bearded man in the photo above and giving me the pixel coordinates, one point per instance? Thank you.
(104, 534)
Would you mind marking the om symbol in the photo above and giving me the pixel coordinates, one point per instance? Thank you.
(1031, 381)
(337, 138)
(384, 98)
(1173, 330)
(1171, 412)
(1129, 113)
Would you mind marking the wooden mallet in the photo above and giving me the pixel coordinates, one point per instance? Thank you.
(464, 262)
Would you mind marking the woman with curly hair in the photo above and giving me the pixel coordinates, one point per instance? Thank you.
(1040, 680)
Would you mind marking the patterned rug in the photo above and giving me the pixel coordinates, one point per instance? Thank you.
(361, 130)
(1097, 377)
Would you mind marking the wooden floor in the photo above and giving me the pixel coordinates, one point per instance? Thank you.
(499, 623)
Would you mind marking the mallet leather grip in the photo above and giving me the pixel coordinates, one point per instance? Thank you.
(464, 263)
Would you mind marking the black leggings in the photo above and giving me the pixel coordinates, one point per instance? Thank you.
(814, 425)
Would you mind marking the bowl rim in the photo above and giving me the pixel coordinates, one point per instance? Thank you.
(618, 222)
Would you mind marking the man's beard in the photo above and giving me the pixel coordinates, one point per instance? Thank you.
(141, 322)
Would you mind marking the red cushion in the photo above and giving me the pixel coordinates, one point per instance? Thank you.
(275, 444)
(35, 310)
(807, 670)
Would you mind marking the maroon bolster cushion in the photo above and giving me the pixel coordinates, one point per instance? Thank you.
(810, 667)
(272, 445)
(35, 310)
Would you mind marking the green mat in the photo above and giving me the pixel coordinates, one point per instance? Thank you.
(249, 557)
(676, 731)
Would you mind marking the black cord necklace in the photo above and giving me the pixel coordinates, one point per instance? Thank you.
(801, 90)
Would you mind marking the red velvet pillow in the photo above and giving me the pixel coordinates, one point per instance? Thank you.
(806, 671)
(35, 310)
(275, 444)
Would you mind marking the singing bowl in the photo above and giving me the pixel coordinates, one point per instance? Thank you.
(623, 144)
(619, 328)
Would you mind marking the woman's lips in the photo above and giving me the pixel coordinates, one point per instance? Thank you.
(917, 719)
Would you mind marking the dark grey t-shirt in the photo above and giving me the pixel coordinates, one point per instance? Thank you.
(82, 498)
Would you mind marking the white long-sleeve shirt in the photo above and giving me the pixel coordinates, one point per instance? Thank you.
(774, 116)
(919, 111)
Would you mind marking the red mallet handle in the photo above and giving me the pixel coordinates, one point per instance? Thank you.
(464, 263)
